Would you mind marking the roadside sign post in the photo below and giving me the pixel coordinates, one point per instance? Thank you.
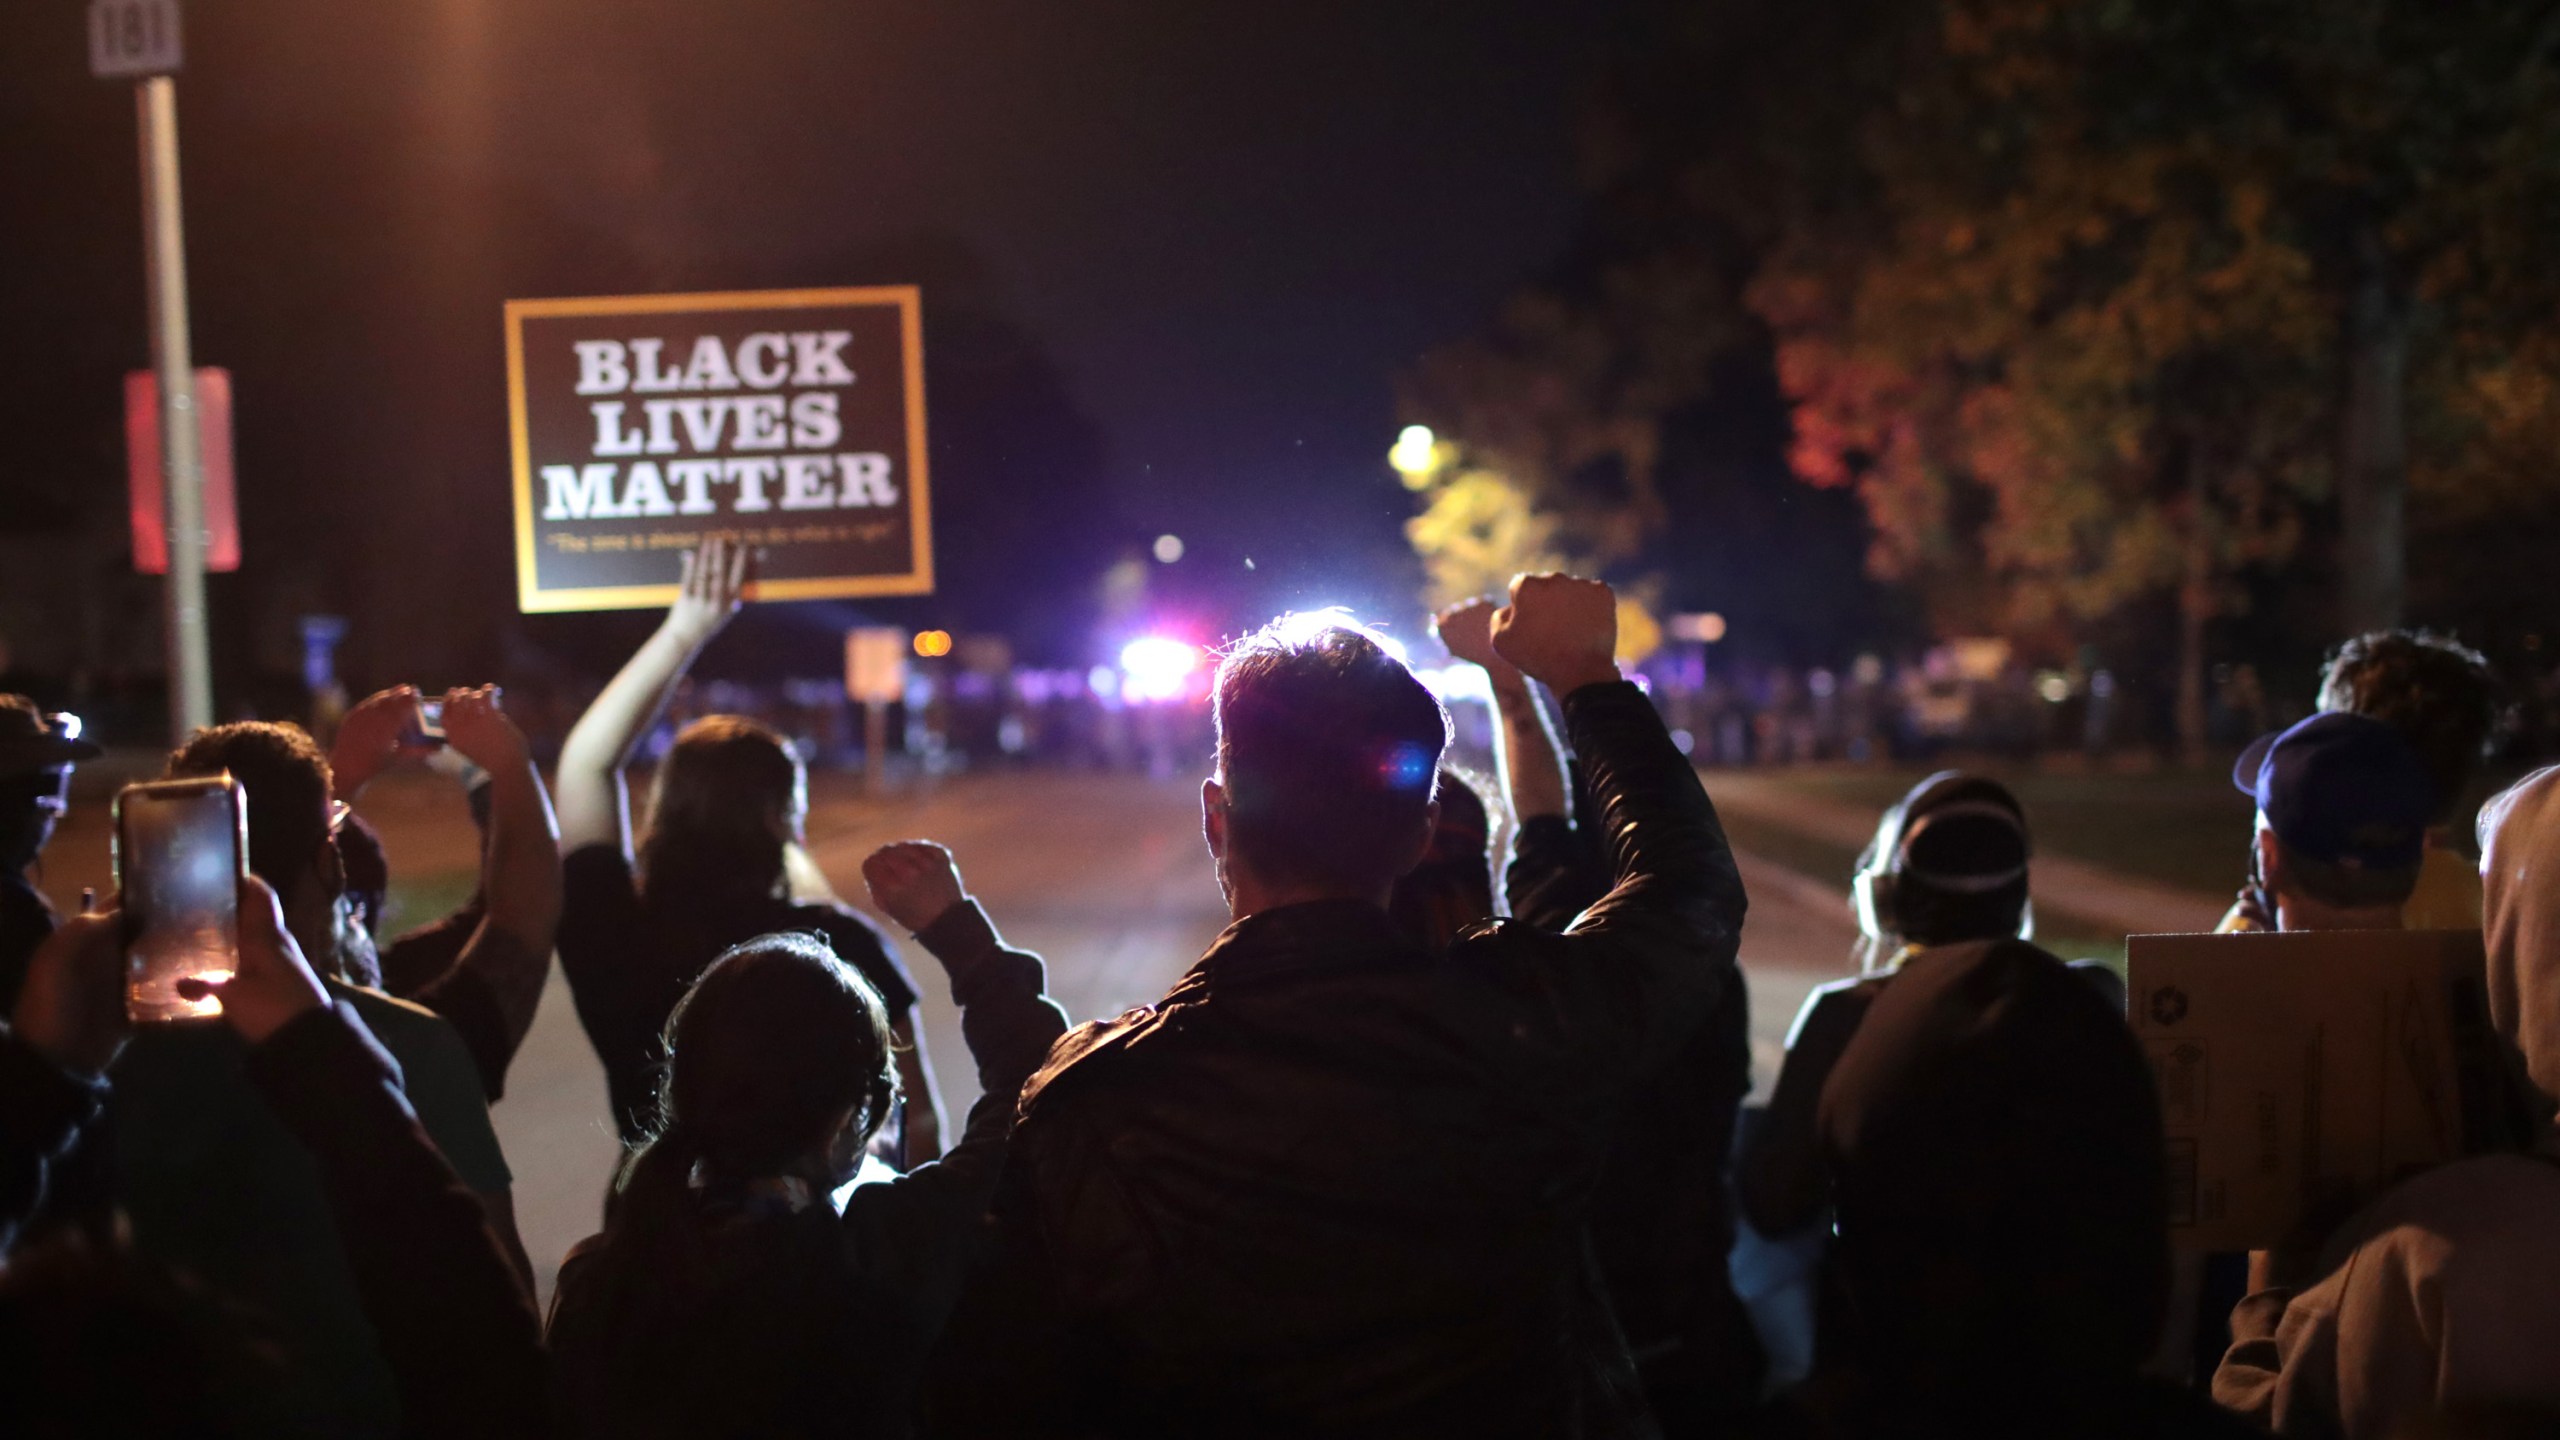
(139, 39)
(875, 674)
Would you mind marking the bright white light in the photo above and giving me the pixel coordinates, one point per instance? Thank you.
(1460, 681)
(1412, 453)
(1300, 626)
(1168, 549)
(1157, 668)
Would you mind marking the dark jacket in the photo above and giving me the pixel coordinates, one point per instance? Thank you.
(1662, 1213)
(43, 1109)
(455, 1323)
(1335, 1185)
(796, 1323)
(1992, 1136)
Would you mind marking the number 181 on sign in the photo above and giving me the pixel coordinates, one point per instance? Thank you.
(133, 37)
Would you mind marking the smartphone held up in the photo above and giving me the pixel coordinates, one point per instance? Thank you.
(181, 851)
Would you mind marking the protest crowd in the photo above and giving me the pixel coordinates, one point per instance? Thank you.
(1422, 1146)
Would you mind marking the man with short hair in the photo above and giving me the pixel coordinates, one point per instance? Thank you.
(1334, 1183)
(2343, 810)
(212, 1180)
(2440, 695)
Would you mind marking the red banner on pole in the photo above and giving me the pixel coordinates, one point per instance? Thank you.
(142, 471)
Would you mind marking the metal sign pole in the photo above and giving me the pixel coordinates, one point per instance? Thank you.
(172, 354)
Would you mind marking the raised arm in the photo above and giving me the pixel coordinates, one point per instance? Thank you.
(594, 808)
(458, 1325)
(383, 729)
(1644, 964)
(1532, 764)
(1009, 1024)
(509, 955)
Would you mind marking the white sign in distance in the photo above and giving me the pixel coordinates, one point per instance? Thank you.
(131, 38)
(875, 665)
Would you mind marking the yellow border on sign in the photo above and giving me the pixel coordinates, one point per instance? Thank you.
(533, 600)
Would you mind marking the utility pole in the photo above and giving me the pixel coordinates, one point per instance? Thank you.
(140, 39)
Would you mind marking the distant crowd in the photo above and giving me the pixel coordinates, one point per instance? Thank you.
(1424, 1145)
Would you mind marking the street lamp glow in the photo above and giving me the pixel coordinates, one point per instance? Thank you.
(1156, 667)
(933, 644)
(1413, 450)
(1168, 549)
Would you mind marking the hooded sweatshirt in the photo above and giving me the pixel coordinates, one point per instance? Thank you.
(1992, 1134)
(2445, 1294)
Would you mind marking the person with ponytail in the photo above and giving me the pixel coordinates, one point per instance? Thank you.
(726, 1295)
(715, 866)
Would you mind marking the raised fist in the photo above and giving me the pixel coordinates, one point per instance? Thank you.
(1466, 628)
(1561, 631)
(914, 882)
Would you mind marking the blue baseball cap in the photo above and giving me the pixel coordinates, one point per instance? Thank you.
(2342, 789)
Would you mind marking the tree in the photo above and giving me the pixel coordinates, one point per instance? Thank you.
(2102, 308)
(2097, 334)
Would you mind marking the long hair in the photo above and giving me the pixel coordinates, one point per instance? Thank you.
(775, 1041)
(717, 811)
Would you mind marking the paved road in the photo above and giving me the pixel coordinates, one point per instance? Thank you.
(1104, 875)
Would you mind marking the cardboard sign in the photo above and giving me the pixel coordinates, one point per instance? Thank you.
(2302, 1074)
(792, 420)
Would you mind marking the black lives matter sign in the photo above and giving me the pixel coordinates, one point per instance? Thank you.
(790, 420)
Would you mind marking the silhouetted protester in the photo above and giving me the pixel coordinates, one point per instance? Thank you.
(1661, 1214)
(1993, 1138)
(1334, 1183)
(726, 1297)
(37, 752)
(726, 812)
(96, 1341)
(1452, 889)
(1947, 866)
(2440, 697)
(213, 1180)
(2446, 1291)
(67, 1027)
(482, 967)
(2343, 810)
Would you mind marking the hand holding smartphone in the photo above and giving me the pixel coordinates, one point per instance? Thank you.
(181, 851)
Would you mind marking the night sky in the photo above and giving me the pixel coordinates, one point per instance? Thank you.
(1229, 225)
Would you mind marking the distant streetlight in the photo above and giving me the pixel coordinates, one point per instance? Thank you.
(1707, 628)
(1414, 451)
(933, 644)
(1168, 549)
